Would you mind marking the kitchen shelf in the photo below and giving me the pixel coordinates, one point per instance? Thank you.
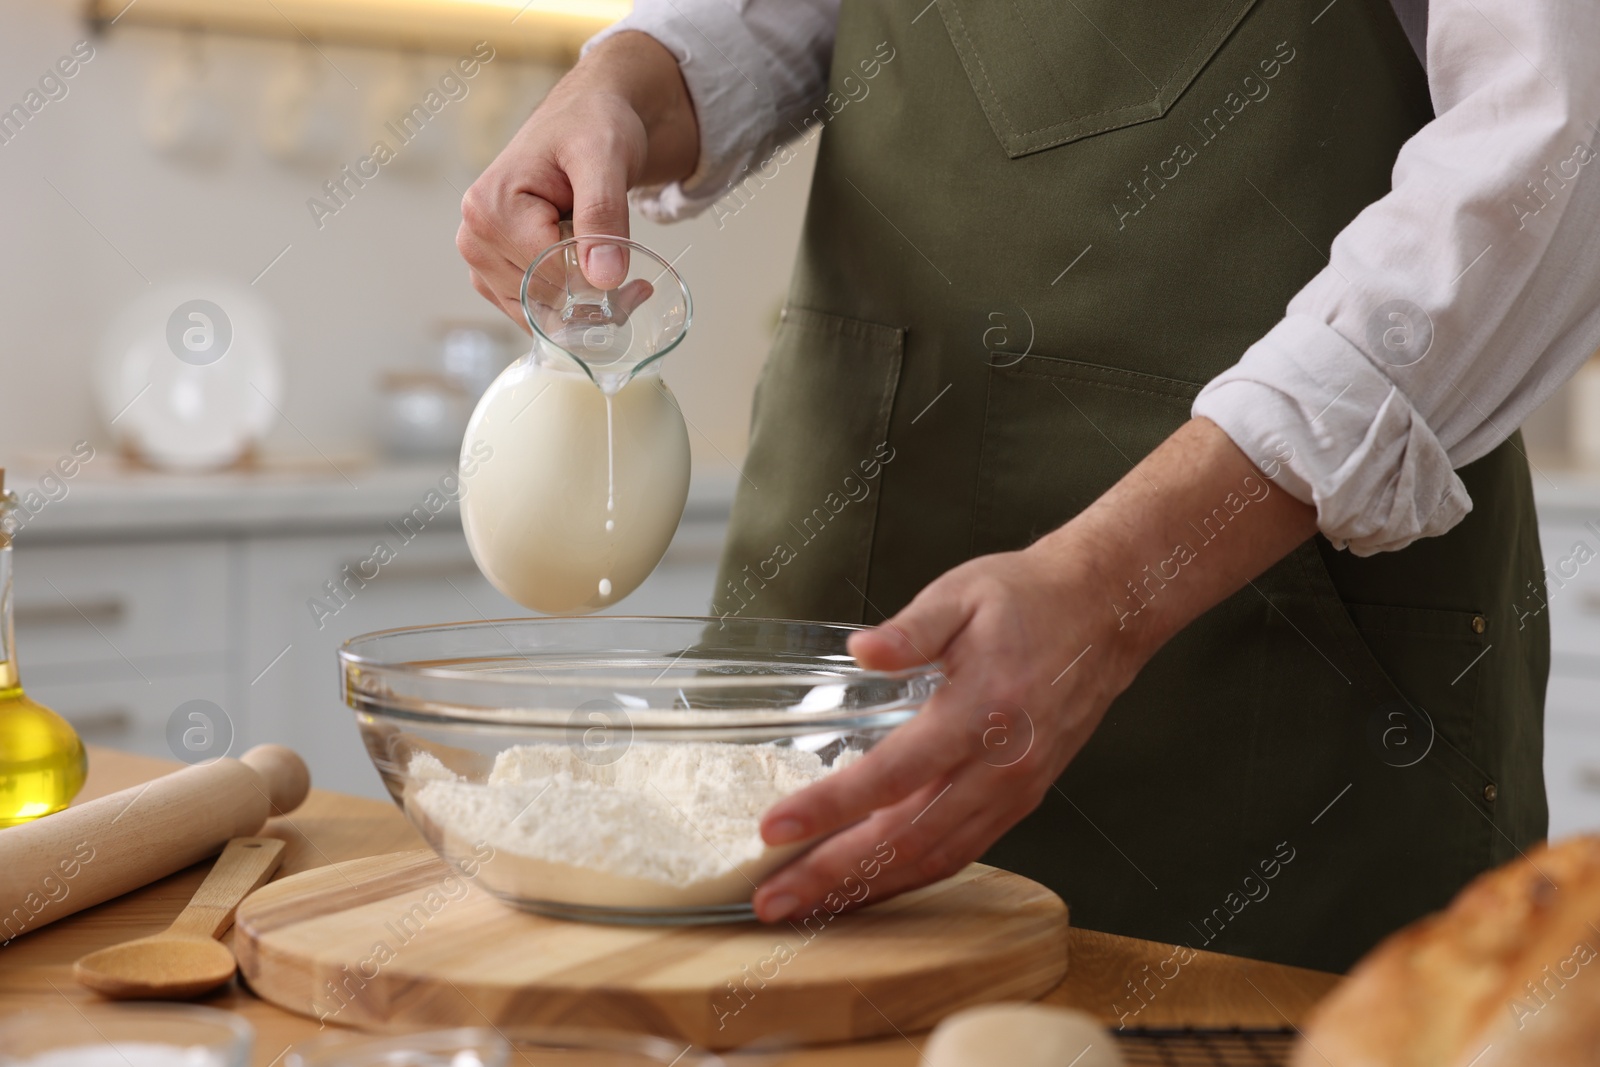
(539, 29)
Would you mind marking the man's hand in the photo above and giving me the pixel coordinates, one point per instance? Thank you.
(1034, 650)
(1018, 704)
(620, 118)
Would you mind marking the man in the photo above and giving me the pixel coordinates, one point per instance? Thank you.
(1224, 594)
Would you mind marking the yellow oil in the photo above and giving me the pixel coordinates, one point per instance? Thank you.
(42, 762)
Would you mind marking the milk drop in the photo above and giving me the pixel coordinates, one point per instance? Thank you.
(582, 488)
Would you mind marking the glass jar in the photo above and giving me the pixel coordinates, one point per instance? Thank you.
(42, 762)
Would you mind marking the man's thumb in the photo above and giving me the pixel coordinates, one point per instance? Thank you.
(600, 206)
(918, 634)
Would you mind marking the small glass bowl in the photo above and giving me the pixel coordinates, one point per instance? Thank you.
(466, 1047)
(439, 705)
(484, 1047)
(126, 1035)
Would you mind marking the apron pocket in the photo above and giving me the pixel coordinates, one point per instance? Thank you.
(1434, 659)
(1047, 73)
(1439, 799)
(1056, 435)
(806, 508)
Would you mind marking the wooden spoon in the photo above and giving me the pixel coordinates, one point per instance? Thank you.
(186, 959)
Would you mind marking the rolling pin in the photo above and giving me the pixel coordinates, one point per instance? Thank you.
(91, 852)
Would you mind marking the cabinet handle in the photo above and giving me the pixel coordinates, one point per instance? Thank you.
(101, 721)
(689, 555)
(423, 571)
(94, 612)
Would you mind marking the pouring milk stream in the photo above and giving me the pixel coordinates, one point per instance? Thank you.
(581, 455)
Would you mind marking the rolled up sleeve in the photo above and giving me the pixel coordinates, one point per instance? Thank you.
(1452, 307)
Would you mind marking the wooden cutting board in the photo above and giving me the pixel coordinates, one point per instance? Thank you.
(403, 942)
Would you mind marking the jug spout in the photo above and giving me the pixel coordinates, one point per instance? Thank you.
(611, 334)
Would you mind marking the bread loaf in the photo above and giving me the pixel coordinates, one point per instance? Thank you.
(1508, 974)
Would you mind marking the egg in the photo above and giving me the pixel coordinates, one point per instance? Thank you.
(1021, 1035)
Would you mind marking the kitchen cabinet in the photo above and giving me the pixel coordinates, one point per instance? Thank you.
(1570, 537)
(144, 602)
(1572, 595)
(132, 604)
(1572, 754)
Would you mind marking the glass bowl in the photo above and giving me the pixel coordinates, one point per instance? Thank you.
(485, 1047)
(467, 1047)
(610, 768)
(126, 1035)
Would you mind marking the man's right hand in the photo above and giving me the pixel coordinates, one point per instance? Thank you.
(622, 117)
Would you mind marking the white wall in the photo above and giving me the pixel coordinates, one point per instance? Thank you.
(359, 296)
(362, 294)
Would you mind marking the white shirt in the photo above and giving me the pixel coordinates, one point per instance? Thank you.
(1450, 309)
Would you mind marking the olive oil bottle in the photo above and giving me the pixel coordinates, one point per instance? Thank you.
(42, 762)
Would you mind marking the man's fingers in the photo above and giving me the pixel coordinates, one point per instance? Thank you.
(822, 870)
(505, 304)
(922, 749)
(926, 837)
(485, 256)
(487, 250)
(918, 863)
(600, 206)
(918, 634)
(484, 239)
(530, 224)
(515, 224)
(631, 296)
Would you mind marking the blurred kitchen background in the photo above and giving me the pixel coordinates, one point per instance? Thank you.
(181, 161)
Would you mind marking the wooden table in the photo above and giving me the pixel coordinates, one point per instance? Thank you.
(35, 969)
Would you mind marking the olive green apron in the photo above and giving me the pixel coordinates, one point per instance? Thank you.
(1036, 229)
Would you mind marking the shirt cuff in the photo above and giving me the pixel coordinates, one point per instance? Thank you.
(1333, 430)
(733, 108)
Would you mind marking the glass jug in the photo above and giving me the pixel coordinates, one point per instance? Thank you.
(42, 762)
(575, 464)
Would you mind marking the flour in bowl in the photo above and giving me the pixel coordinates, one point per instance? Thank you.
(664, 826)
